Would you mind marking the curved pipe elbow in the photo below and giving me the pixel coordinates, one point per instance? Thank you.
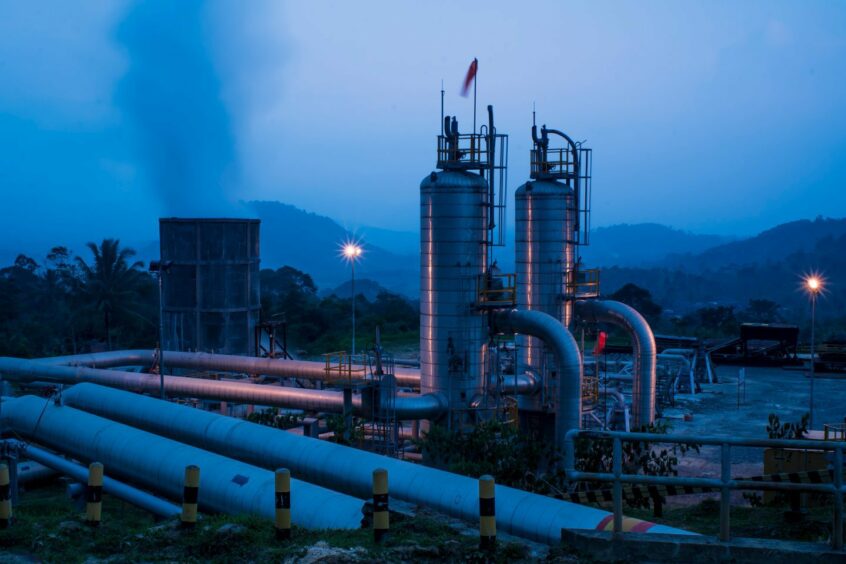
(643, 341)
(567, 355)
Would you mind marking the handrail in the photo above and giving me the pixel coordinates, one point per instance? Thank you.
(725, 483)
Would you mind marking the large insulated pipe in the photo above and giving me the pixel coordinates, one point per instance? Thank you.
(346, 469)
(568, 358)
(226, 485)
(405, 406)
(299, 369)
(643, 341)
(136, 497)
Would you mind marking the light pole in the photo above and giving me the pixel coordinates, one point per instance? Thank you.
(352, 252)
(160, 267)
(813, 285)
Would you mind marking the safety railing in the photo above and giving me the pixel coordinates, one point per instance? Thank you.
(725, 484)
(584, 284)
(496, 290)
(834, 432)
(340, 367)
(552, 163)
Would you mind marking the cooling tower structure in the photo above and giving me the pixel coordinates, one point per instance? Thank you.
(210, 284)
(457, 219)
(551, 221)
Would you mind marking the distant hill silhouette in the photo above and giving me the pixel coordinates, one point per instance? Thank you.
(370, 289)
(772, 245)
(310, 242)
(643, 244)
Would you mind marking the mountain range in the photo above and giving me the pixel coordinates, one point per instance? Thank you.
(683, 270)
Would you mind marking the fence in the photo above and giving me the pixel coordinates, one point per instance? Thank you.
(725, 484)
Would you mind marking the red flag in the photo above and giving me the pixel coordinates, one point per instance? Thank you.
(600, 343)
(471, 76)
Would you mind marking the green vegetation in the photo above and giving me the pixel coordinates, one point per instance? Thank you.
(318, 325)
(72, 305)
(532, 464)
(49, 528)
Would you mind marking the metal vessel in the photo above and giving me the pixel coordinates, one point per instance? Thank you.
(459, 207)
(551, 220)
(210, 284)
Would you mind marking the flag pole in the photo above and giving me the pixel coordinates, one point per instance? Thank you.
(475, 81)
(442, 107)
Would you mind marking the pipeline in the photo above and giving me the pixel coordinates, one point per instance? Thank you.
(406, 407)
(346, 469)
(566, 351)
(136, 497)
(299, 369)
(627, 318)
(157, 463)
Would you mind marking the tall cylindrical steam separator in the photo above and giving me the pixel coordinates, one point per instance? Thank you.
(454, 227)
(547, 231)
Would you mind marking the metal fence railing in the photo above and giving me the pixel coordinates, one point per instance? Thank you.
(725, 484)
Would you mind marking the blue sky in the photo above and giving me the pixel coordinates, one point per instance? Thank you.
(720, 117)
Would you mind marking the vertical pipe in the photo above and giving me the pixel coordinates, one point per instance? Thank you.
(352, 266)
(5, 497)
(380, 504)
(487, 514)
(725, 492)
(617, 464)
(283, 504)
(837, 533)
(94, 495)
(190, 496)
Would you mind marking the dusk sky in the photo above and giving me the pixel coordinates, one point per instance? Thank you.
(713, 117)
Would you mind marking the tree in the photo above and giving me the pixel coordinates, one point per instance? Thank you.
(762, 311)
(638, 298)
(111, 282)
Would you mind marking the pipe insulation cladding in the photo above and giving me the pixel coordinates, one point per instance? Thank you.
(282, 368)
(345, 469)
(453, 256)
(560, 342)
(405, 406)
(643, 345)
(154, 462)
(136, 497)
(544, 247)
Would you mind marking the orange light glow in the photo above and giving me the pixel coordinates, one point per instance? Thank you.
(351, 251)
(814, 284)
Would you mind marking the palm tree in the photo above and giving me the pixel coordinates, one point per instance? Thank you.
(110, 284)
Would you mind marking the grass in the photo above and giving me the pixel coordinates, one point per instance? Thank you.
(49, 528)
(763, 522)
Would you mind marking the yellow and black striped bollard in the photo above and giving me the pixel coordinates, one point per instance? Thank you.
(380, 504)
(94, 495)
(190, 495)
(487, 513)
(283, 504)
(5, 497)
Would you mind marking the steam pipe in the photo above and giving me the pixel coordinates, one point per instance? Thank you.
(136, 497)
(427, 406)
(299, 369)
(563, 346)
(346, 469)
(643, 369)
(226, 485)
